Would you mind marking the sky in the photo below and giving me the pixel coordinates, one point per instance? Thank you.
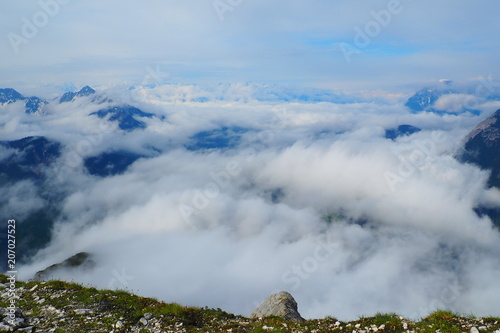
(337, 44)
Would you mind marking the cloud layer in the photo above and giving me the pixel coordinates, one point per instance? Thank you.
(313, 200)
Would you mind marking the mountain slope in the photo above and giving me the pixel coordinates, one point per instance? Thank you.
(9, 95)
(401, 130)
(126, 116)
(26, 162)
(423, 100)
(482, 147)
(110, 163)
(28, 157)
(57, 306)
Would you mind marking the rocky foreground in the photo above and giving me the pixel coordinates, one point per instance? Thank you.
(59, 307)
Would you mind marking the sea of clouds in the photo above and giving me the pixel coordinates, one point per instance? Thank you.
(312, 199)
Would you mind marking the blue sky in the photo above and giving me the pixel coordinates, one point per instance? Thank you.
(206, 41)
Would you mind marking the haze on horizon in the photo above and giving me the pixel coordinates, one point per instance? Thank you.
(393, 42)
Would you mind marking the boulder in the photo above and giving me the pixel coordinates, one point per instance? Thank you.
(281, 304)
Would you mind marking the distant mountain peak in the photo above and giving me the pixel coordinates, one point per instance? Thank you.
(9, 95)
(33, 105)
(71, 95)
(85, 91)
(401, 130)
(423, 99)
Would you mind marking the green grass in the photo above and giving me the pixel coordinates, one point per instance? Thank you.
(109, 306)
(391, 321)
(442, 320)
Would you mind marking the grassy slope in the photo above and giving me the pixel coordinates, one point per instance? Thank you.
(69, 307)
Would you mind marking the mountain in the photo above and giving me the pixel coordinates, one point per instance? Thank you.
(125, 115)
(482, 148)
(32, 104)
(10, 95)
(72, 95)
(26, 161)
(423, 100)
(110, 164)
(401, 130)
(221, 138)
(81, 260)
(27, 158)
(85, 91)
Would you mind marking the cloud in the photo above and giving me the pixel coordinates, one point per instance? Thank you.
(313, 200)
(20, 199)
(457, 102)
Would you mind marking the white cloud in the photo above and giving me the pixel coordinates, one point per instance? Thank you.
(457, 102)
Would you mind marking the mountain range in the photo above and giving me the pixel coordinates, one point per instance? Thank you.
(33, 105)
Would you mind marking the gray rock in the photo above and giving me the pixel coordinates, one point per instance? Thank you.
(474, 330)
(281, 304)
